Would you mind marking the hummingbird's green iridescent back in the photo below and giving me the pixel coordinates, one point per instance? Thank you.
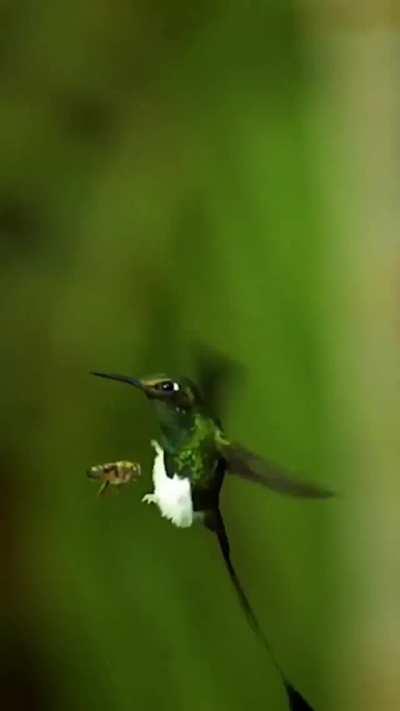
(196, 456)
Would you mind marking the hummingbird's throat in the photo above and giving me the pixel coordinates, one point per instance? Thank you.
(175, 422)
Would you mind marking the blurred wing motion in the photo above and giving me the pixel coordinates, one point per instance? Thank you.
(114, 474)
(250, 466)
(215, 375)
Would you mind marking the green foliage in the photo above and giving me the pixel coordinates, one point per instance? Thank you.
(159, 188)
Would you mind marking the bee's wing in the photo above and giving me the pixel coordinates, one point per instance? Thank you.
(250, 466)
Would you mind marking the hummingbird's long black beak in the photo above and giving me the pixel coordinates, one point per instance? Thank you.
(121, 378)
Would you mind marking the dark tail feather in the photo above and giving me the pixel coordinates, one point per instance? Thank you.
(296, 701)
(214, 521)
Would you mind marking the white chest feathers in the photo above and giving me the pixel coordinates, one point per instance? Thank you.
(172, 495)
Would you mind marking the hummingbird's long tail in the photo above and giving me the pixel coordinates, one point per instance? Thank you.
(214, 522)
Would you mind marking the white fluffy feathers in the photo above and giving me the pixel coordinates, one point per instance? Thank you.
(172, 495)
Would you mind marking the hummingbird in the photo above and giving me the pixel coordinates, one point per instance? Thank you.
(192, 460)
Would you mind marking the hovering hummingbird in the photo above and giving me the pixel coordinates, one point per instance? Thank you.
(192, 460)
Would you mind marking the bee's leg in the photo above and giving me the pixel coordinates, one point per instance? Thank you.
(103, 488)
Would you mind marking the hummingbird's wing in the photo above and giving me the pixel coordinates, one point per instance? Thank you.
(250, 466)
(215, 374)
(214, 522)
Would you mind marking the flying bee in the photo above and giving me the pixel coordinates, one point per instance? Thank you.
(114, 474)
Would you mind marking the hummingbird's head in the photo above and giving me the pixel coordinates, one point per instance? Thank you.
(172, 394)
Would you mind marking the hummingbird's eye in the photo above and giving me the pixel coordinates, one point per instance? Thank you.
(168, 386)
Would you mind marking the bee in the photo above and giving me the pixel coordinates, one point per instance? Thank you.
(114, 474)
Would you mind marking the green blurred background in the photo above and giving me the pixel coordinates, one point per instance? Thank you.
(160, 187)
